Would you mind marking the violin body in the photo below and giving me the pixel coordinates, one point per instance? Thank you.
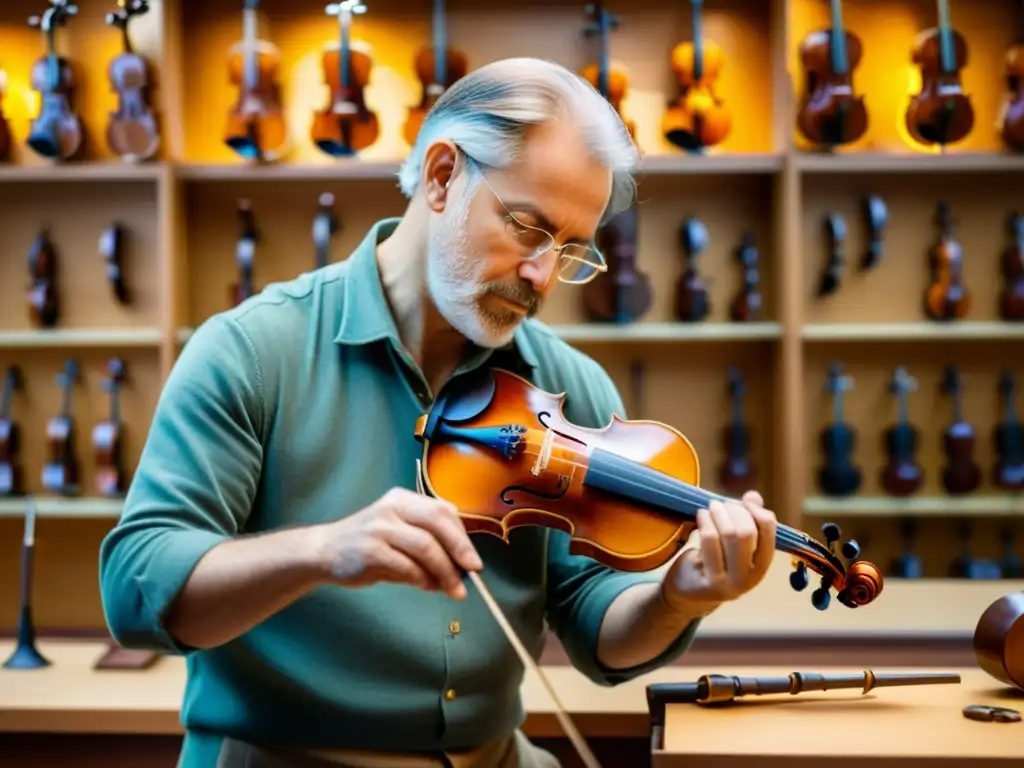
(1013, 110)
(624, 293)
(132, 131)
(618, 86)
(56, 133)
(455, 67)
(255, 126)
(1008, 473)
(947, 296)
(839, 476)
(1011, 300)
(5, 128)
(962, 474)
(831, 113)
(697, 118)
(692, 302)
(902, 474)
(502, 452)
(43, 299)
(940, 113)
(999, 640)
(346, 125)
(10, 437)
(738, 473)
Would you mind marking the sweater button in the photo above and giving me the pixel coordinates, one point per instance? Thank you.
(450, 694)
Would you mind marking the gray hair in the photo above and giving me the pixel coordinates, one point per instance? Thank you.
(488, 111)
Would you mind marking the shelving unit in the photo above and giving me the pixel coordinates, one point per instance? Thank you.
(179, 212)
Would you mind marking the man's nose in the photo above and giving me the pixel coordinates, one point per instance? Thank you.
(540, 271)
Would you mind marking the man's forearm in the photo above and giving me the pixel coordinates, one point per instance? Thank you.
(240, 583)
(639, 625)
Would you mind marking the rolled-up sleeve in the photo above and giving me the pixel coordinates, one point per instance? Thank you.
(580, 590)
(194, 485)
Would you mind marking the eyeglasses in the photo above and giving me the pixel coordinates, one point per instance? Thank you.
(577, 264)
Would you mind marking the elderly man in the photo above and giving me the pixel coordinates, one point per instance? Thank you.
(273, 533)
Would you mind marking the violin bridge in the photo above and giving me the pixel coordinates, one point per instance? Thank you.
(544, 455)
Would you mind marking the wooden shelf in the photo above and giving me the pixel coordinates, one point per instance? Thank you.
(99, 171)
(938, 506)
(922, 331)
(921, 162)
(96, 508)
(362, 170)
(85, 337)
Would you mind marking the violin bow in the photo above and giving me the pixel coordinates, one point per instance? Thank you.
(586, 755)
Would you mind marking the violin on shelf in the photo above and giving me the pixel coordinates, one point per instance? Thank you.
(940, 112)
(747, 305)
(908, 564)
(961, 474)
(838, 476)
(624, 293)
(43, 299)
(438, 67)
(832, 275)
(10, 436)
(610, 82)
(877, 216)
(902, 474)
(831, 112)
(111, 247)
(107, 441)
(5, 128)
(1011, 302)
(969, 567)
(346, 125)
(697, 119)
(60, 472)
(947, 296)
(325, 226)
(1008, 473)
(56, 133)
(692, 302)
(256, 129)
(1011, 121)
(132, 131)
(245, 253)
(738, 473)
(497, 445)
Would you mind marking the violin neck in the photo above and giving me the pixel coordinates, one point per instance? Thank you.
(946, 38)
(903, 415)
(837, 405)
(840, 64)
(698, 39)
(5, 402)
(440, 44)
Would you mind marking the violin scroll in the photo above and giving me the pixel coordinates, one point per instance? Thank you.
(862, 583)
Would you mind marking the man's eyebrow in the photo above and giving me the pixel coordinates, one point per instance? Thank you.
(543, 221)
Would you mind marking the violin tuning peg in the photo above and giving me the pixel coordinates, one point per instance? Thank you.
(851, 550)
(820, 598)
(798, 578)
(831, 532)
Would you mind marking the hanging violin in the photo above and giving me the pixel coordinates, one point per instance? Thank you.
(438, 67)
(132, 131)
(5, 129)
(56, 133)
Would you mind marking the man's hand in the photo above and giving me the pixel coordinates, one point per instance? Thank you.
(403, 537)
(737, 545)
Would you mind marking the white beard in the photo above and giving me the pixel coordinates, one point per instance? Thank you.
(453, 280)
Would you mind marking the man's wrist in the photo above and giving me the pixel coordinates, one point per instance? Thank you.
(311, 556)
(684, 606)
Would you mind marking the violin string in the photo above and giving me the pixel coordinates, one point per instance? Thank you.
(570, 729)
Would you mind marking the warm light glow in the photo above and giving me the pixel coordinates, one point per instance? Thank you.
(912, 77)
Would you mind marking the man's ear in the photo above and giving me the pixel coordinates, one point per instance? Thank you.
(438, 171)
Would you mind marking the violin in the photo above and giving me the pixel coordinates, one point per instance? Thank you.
(325, 226)
(60, 472)
(56, 133)
(738, 473)
(502, 452)
(998, 640)
(747, 305)
(908, 565)
(839, 476)
(940, 113)
(245, 252)
(947, 297)
(1008, 473)
(1011, 303)
(902, 474)
(43, 300)
(111, 246)
(5, 128)
(256, 127)
(10, 436)
(346, 125)
(1012, 118)
(438, 67)
(961, 474)
(610, 82)
(624, 293)
(1011, 563)
(132, 132)
(107, 438)
(967, 566)
(692, 303)
(831, 112)
(832, 275)
(877, 215)
(697, 118)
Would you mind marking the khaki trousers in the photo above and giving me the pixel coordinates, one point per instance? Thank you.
(516, 751)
